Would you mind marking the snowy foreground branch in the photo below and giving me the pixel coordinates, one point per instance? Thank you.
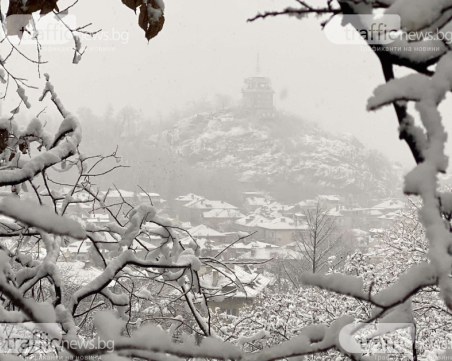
(423, 179)
(166, 280)
(16, 170)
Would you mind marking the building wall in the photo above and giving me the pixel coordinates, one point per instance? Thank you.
(279, 237)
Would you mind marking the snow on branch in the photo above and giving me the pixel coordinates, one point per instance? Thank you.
(428, 93)
(418, 14)
(150, 340)
(128, 257)
(311, 340)
(38, 312)
(140, 214)
(339, 283)
(69, 131)
(406, 88)
(416, 278)
(41, 217)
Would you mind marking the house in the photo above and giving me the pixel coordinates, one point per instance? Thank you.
(359, 217)
(292, 250)
(276, 209)
(202, 231)
(206, 204)
(282, 230)
(328, 200)
(195, 209)
(231, 289)
(153, 197)
(384, 214)
(114, 199)
(176, 206)
(187, 198)
(305, 205)
(222, 219)
(299, 217)
(207, 247)
(250, 224)
(118, 194)
(390, 205)
(250, 250)
(256, 251)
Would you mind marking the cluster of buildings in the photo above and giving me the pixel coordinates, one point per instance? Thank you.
(275, 223)
(249, 234)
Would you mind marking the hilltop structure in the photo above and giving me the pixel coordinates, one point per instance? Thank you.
(257, 95)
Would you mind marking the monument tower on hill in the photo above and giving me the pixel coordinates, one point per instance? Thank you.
(257, 94)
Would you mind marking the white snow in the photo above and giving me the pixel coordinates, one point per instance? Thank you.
(417, 14)
(339, 283)
(21, 92)
(41, 217)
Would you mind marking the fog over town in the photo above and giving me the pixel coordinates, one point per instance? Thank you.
(227, 180)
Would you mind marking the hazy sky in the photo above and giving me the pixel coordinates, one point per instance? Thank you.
(207, 47)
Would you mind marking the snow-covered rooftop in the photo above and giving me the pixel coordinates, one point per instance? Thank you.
(334, 212)
(283, 223)
(188, 197)
(209, 204)
(204, 231)
(307, 203)
(253, 245)
(252, 220)
(392, 215)
(113, 193)
(249, 284)
(329, 198)
(148, 194)
(223, 213)
(390, 204)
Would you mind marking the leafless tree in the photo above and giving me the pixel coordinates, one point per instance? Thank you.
(322, 242)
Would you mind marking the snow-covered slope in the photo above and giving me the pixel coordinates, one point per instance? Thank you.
(284, 149)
